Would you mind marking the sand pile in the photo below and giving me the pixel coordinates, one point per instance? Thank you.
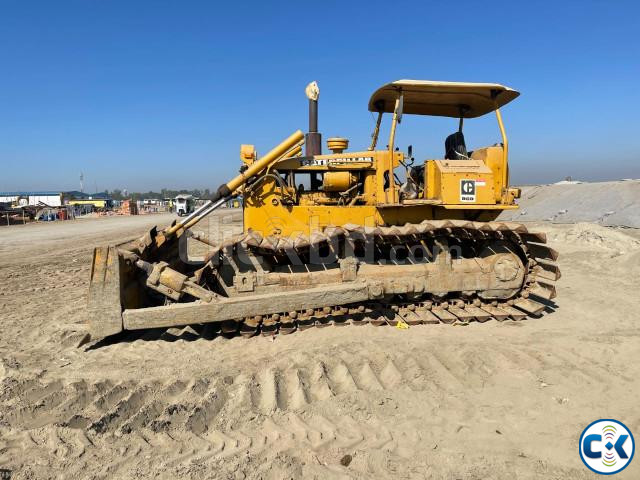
(596, 236)
(604, 203)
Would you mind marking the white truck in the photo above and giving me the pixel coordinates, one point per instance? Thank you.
(185, 204)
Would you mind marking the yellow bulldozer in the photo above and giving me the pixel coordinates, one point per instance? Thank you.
(356, 237)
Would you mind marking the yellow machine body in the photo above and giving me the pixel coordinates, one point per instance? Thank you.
(302, 194)
(273, 209)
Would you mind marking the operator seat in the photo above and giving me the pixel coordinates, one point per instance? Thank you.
(455, 148)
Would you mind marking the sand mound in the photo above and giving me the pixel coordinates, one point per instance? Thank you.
(604, 203)
(597, 236)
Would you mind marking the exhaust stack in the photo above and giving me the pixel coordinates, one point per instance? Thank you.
(313, 141)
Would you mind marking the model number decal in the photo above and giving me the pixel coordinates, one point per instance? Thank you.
(468, 191)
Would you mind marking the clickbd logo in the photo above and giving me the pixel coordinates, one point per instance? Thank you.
(607, 446)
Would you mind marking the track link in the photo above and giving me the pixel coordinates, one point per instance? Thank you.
(531, 301)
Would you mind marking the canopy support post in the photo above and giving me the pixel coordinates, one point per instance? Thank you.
(505, 154)
(391, 195)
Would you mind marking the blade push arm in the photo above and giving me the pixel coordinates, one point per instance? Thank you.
(226, 191)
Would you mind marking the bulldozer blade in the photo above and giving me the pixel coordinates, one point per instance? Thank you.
(105, 309)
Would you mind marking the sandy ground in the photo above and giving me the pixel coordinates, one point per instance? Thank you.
(493, 400)
(604, 203)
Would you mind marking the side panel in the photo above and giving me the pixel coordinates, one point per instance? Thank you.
(273, 208)
(492, 158)
(463, 182)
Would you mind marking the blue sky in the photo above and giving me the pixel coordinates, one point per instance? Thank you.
(149, 94)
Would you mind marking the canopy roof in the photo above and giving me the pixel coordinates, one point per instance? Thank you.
(443, 99)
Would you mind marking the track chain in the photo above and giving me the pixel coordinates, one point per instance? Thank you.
(534, 298)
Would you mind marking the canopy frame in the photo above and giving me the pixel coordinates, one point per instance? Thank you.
(444, 99)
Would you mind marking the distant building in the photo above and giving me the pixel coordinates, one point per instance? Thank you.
(51, 199)
(153, 202)
(98, 200)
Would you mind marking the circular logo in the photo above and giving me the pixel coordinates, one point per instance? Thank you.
(607, 446)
